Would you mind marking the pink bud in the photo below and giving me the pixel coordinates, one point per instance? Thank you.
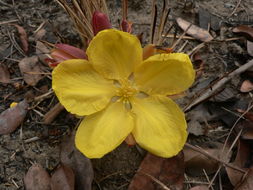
(126, 26)
(100, 21)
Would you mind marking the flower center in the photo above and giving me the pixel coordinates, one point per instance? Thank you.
(126, 89)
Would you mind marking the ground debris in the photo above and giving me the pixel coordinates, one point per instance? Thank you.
(31, 70)
(156, 172)
(11, 118)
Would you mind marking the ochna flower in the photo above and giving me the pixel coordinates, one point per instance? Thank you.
(120, 94)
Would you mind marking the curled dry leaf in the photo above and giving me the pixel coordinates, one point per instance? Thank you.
(63, 179)
(23, 37)
(37, 178)
(4, 74)
(11, 118)
(245, 31)
(159, 173)
(247, 126)
(194, 31)
(42, 51)
(242, 157)
(195, 162)
(80, 164)
(246, 86)
(39, 34)
(200, 187)
(31, 69)
(247, 184)
(250, 47)
(199, 63)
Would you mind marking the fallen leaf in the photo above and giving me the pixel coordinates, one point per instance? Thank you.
(39, 34)
(42, 51)
(204, 18)
(194, 31)
(197, 117)
(11, 118)
(156, 172)
(200, 187)
(4, 74)
(63, 179)
(250, 47)
(242, 157)
(226, 95)
(199, 63)
(195, 162)
(247, 126)
(23, 37)
(31, 69)
(245, 31)
(247, 184)
(246, 86)
(80, 164)
(37, 178)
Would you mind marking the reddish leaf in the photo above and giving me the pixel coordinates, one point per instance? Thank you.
(11, 118)
(31, 69)
(246, 86)
(248, 182)
(37, 178)
(80, 164)
(76, 53)
(63, 179)
(244, 30)
(200, 187)
(23, 37)
(155, 172)
(4, 74)
(195, 31)
(241, 159)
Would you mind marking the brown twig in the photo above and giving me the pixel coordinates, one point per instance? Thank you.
(200, 150)
(153, 22)
(124, 9)
(53, 113)
(180, 38)
(236, 7)
(9, 21)
(155, 180)
(213, 89)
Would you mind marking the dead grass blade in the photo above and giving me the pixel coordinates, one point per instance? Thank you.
(80, 12)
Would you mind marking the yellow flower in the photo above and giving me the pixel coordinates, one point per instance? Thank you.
(120, 94)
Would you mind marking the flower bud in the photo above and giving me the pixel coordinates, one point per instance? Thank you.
(126, 26)
(100, 21)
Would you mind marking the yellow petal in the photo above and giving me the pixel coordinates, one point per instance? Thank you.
(165, 74)
(80, 89)
(102, 132)
(160, 126)
(114, 53)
